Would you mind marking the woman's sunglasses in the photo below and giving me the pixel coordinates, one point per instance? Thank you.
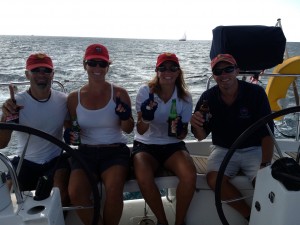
(228, 69)
(164, 69)
(93, 63)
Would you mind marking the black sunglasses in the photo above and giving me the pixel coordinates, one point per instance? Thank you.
(44, 70)
(228, 69)
(93, 63)
(164, 69)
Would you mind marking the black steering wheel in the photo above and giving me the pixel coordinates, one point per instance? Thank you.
(263, 121)
(68, 149)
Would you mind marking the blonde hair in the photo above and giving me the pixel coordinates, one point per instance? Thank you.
(182, 89)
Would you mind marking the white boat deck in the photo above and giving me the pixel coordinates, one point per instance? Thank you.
(202, 207)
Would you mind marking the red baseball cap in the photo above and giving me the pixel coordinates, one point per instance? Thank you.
(166, 56)
(96, 51)
(38, 60)
(223, 58)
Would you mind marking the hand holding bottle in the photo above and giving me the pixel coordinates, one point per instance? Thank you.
(67, 136)
(205, 112)
(122, 109)
(10, 108)
(72, 137)
(179, 126)
(148, 108)
(197, 119)
(172, 120)
(75, 133)
(202, 116)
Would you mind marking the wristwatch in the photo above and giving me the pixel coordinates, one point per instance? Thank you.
(264, 164)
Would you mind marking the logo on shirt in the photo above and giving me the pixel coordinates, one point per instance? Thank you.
(244, 113)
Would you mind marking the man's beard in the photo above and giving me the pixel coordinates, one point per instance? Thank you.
(43, 86)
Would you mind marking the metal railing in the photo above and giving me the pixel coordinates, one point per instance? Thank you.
(13, 175)
(19, 83)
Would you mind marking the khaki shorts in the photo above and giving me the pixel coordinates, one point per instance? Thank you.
(246, 160)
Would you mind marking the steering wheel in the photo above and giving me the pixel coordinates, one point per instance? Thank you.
(68, 149)
(263, 121)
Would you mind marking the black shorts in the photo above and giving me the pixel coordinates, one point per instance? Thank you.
(30, 172)
(98, 159)
(160, 152)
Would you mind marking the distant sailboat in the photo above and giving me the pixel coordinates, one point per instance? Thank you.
(183, 37)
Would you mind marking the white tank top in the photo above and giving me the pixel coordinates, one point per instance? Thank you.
(100, 126)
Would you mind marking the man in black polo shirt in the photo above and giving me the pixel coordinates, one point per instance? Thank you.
(234, 105)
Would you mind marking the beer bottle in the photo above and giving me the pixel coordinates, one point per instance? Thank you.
(171, 119)
(76, 132)
(12, 118)
(204, 109)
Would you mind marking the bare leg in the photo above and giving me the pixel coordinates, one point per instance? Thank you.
(61, 180)
(229, 191)
(9, 184)
(145, 166)
(80, 195)
(182, 165)
(114, 179)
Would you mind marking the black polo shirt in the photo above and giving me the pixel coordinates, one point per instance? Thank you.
(228, 122)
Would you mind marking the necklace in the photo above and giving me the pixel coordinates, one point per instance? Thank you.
(39, 100)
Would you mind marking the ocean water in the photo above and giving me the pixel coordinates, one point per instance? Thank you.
(133, 64)
(133, 61)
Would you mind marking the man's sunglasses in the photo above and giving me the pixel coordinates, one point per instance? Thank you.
(228, 69)
(93, 63)
(44, 70)
(164, 69)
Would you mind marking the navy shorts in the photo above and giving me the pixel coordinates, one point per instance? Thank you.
(160, 152)
(98, 159)
(30, 172)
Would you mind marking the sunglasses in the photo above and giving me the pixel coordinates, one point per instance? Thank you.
(44, 70)
(164, 69)
(228, 69)
(93, 63)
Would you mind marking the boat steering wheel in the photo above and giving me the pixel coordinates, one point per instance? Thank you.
(235, 145)
(68, 149)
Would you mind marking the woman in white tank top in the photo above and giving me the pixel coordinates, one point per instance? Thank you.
(103, 112)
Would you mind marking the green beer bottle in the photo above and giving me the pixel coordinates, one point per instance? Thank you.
(171, 119)
(76, 132)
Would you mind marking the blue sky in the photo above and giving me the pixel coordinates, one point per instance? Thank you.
(151, 19)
